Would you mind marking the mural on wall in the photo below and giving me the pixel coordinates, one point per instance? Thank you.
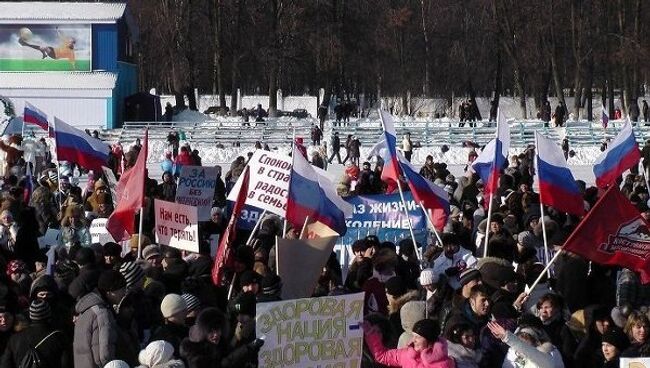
(45, 47)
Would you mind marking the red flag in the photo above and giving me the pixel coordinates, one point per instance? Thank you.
(614, 233)
(224, 251)
(130, 196)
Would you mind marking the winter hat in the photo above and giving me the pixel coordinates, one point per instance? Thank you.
(427, 328)
(133, 242)
(411, 312)
(112, 249)
(117, 364)
(210, 319)
(110, 280)
(191, 301)
(245, 304)
(468, 275)
(172, 304)
(156, 354)
(39, 310)
(65, 271)
(615, 336)
(249, 277)
(149, 251)
(15, 266)
(271, 284)
(530, 331)
(395, 286)
(527, 239)
(428, 277)
(132, 273)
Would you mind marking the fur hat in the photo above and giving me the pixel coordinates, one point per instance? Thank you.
(151, 250)
(111, 280)
(133, 242)
(103, 198)
(172, 304)
(210, 319)
(616, 337)
(411, 312)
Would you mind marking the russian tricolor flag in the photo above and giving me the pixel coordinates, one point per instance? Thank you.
(431, 196)
(391, 169)
(34, 116)
(557, 187)
(620, 155)
(76, 146)
(489, 163)
(312, 194)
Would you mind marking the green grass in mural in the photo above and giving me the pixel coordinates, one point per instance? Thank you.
(44, 65)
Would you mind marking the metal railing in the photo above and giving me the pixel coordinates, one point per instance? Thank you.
(229, 131)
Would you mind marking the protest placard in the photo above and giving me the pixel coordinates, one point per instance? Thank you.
(99, 233)
(111, 183)
(177, 225)
(269, 182)
(311, 332)
(50, 238)
(635, 363)
(196, 188)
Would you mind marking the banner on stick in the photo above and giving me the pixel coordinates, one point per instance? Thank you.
(269, 182)
(196, 188)
(312, 332)
(99, 233)
(177, 225)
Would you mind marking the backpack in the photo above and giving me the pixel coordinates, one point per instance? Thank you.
(32, 358)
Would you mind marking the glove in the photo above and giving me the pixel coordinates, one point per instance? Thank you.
(256, 344)
(452, 271)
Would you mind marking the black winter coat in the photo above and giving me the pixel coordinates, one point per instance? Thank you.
(54, 350)
(206, 355)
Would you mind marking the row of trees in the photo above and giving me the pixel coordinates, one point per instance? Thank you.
(435, 48)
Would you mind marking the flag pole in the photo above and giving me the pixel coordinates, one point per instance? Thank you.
(58, 164)
(541, 209)
(487, 226)
(304, 227)
(232, 285)
(408, 220)
(545, 270)
(140, 233)
(257, 225)
(426, 213)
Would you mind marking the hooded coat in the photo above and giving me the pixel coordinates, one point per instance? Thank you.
(95, 332)
(410, 313)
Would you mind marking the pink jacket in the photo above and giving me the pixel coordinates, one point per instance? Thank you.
(433, 357)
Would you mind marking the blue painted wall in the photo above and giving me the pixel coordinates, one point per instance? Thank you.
(105, 47)
(108, 42)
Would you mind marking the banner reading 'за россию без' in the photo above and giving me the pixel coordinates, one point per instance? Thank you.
(311, 332)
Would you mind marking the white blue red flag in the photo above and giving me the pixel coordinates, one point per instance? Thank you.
(34, 116)
(391, 169)
(431, 196)
(557, 187)
(76, 146)
(493, 158)
(312, 194)
(621, 154)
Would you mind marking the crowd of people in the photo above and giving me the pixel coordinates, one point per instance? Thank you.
(73, 302)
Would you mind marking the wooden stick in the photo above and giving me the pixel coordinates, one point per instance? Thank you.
(426, 213)
(304, 227)
(408, 220)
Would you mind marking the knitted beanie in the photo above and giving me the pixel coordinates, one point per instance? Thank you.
(428, 277)
(132, 273)
(172, 304)
(191, 301)
(39, 310)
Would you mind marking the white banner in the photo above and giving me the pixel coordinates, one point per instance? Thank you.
(99, 233)
(196, 188)
(176, 225)
(311, 332)
(635, 363)
(268, 188)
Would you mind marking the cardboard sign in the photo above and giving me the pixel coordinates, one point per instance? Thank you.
(177, 225)
(51, 238)
(268, 188)
(196, 188)
(635, 363)
(311, 332)
(99, 233)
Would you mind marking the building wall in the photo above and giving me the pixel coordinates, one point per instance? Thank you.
(80, 108)
(105, 47)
